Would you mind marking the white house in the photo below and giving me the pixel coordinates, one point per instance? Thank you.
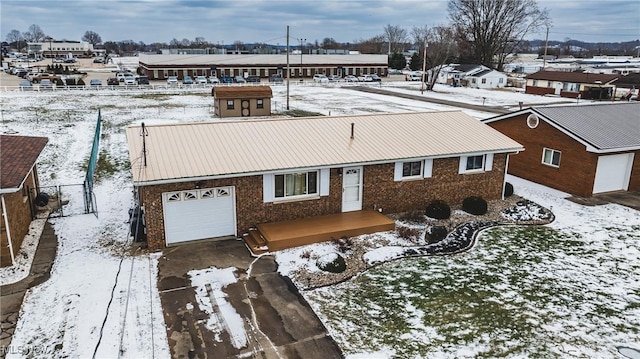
(486, 79)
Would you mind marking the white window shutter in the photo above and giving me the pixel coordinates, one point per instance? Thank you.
(428, 167)
(488, 162)
(397, 173)
(463, 164)
(324, 181)
(267, 188)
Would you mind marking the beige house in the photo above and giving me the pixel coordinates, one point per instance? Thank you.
(220, 179)
(241, 101)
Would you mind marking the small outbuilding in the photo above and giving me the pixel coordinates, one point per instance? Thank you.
(582, 150)
(241, 101)
(18, 185)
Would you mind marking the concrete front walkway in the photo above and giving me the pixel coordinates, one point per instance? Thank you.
(278, 321)
(11, 295)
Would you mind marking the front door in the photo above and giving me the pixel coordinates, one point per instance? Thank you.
(351, 189)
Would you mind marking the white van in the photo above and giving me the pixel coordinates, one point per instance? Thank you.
(413, 76)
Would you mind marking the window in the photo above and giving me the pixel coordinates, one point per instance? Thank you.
(501, 80)
(551, 157)
(484, 81)
(296, 184)
(411, 169)
(259, 103)
(535, 82)
(230, 105)
(475, 163)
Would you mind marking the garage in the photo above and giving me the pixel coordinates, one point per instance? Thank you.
(613, 173)
(199, 214)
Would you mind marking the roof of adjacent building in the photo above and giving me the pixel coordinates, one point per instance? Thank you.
(631, 81)
(180, 152)
(18, 155)
(246, 60)
(576, 77)
(234, 92)
(602, 128)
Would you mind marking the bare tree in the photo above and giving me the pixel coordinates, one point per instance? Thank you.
(92, 37)
(488, 30)
(15, 37)
(34, 34)
(374, 45)
(199, 42)
(329, 43)
(440, 48)
(396, 37)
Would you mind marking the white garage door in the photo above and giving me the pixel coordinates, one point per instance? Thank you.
(613, 173)
(199, 214)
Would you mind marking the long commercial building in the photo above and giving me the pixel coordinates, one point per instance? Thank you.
(159, 67)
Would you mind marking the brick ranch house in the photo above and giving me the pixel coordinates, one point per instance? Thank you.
(18, 181)
(217, 179)
(582, 150)
(241, 101)
(571, 84)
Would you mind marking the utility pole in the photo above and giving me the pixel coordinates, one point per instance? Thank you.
(546, 41)
(288, 71)
(424, 68)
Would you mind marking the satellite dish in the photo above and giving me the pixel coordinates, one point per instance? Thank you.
(533, 120)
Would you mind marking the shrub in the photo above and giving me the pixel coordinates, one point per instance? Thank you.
(80, 82)
(438, 209)
(333, 263)
(435, 234)
(408, 233)
(508, 190)
(412, 216)
(474, 205)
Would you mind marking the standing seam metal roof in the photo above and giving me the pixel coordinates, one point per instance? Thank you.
(192, 150)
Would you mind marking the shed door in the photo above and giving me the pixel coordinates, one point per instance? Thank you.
(613, 173)
(199, 214)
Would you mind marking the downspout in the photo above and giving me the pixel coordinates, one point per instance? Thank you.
(504, 178)
(6, 225)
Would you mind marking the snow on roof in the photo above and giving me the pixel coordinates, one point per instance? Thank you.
(245, 60)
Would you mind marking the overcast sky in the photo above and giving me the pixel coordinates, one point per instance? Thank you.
(265, 21)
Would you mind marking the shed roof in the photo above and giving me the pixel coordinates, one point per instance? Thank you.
(233, 92)
(602, 128)
(576, 77)
(18, 155)
(180, 152)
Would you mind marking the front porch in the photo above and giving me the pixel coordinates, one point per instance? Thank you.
(270, 237)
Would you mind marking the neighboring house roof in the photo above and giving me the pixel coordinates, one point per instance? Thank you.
(602, 128)
(466, 67)
(18, 155)
(487, 72)
(576, 77)
(628, 81)
(247, 60)
(235, 92)
(180, 152)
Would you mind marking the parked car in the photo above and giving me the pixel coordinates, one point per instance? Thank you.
(413, 76)
(113, 81)
(31, 75)
(20, 72)
(143, 80)
(214, 79)
(121, 75)
(95, 83)
(226, 79)
(129, 79)
(239, 79)
(70, 60)
(201, 80)
(25, 85)
(172, 80)
(58, 60)
(253, 78)
(350, 78)
(46, 85)
(98, 60)
(276, 79)
(319, 78)
(187, 80)
(372, 78)
(395, 72)
(334, 78)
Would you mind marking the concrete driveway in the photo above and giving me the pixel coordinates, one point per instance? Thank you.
(278, 322)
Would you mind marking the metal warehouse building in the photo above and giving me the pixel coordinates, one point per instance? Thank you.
(159, 67)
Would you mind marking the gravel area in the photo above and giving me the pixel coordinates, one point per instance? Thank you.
(408, 239)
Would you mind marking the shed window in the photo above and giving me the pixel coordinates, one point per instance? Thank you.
(259, 103)
(230, 104)
(551, 157)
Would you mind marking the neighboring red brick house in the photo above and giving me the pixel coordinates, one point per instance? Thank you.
(18, 180)
(571, 84)
(582, 150)
(242, 101)
(217, 179)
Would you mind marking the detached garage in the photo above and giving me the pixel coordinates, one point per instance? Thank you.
(582, 150)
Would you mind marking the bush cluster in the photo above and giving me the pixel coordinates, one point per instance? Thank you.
(508, 190)
(408, 233)
(435, 234)
(337, 265)
(474, 205)
(438, 209)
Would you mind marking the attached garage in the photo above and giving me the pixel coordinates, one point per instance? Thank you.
(199, 214)
(613, 173)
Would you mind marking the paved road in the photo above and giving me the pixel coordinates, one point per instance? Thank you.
(278, 321)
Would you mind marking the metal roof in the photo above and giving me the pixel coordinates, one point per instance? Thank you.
(602, 126)
(275, 60)
(179, 152)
